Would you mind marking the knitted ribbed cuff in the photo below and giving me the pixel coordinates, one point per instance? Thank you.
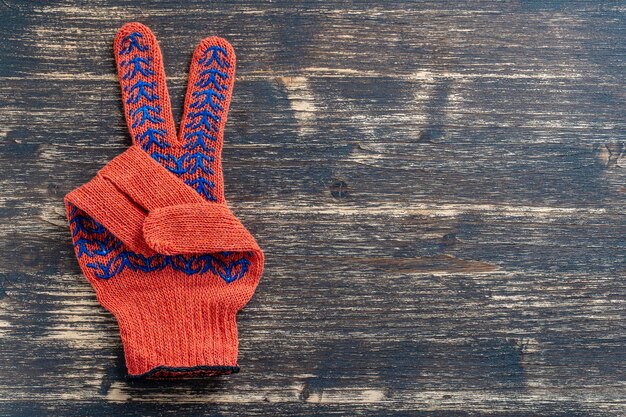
(169, 340)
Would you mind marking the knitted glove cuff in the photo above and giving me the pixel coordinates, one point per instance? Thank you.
(162, 340)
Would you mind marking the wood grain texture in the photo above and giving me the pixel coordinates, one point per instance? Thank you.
(439, 189)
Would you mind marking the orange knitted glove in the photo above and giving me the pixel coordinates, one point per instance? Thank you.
(152, 231)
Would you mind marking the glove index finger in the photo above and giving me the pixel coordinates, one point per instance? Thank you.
(147, 106)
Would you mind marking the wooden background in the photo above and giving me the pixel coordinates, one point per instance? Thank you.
(439, 189)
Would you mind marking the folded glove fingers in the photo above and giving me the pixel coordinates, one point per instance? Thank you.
(113, 209)
(195, 229)
(125, 190)
(149, 209)
(146, 182)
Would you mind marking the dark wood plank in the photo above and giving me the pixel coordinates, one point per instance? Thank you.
(438, 187)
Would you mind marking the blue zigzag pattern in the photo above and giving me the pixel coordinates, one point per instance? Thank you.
(107, 254)
(198, 152)
(109, 257)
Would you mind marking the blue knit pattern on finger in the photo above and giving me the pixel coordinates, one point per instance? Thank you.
(195, 164)
(108, 256)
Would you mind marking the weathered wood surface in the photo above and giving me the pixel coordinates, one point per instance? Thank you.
(439, 188)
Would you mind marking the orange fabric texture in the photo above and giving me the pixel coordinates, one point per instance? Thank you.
(152, 231)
